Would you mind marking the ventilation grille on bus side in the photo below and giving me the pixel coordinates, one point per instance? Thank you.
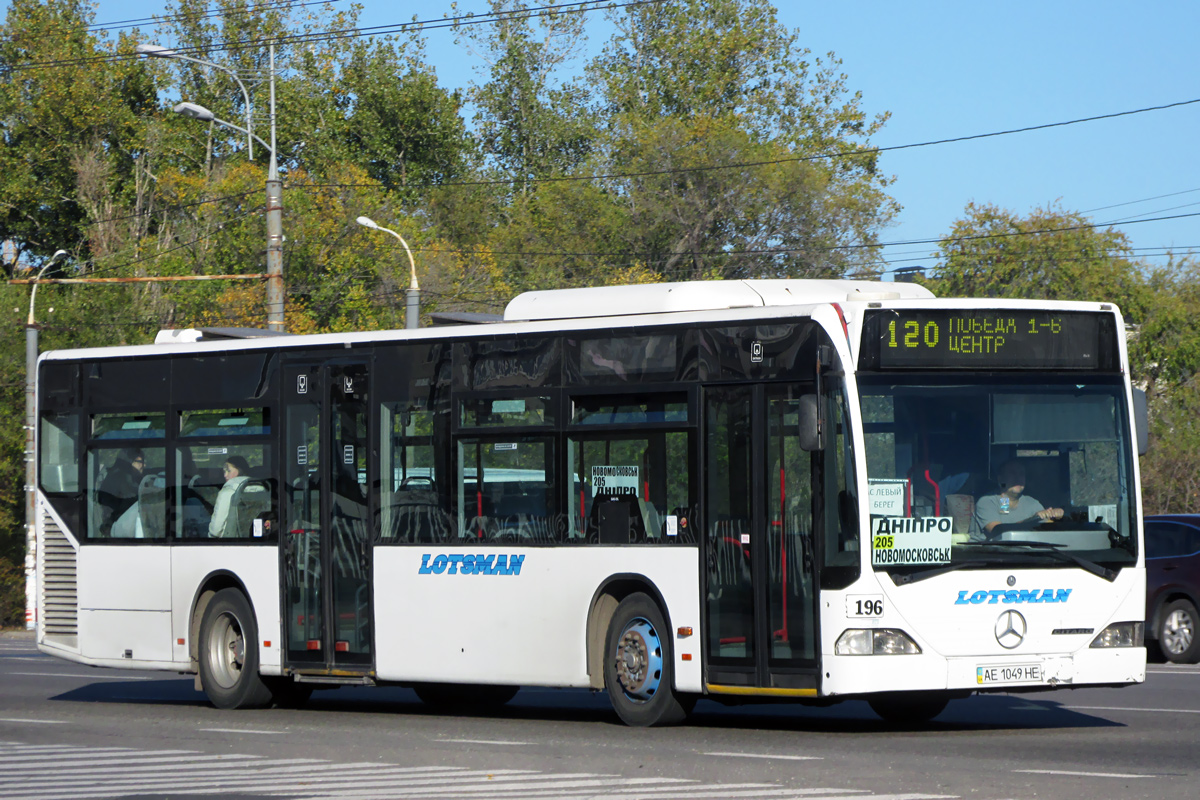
(60, 599)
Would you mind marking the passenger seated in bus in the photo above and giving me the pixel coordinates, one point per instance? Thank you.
(118, 491)
(236, 470)
(1012, 509)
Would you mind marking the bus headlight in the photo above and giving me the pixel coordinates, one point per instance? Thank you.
(875, 642)
(1120, 634)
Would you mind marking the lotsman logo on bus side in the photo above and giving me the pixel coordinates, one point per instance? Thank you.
(459, 564)
(1010, 596)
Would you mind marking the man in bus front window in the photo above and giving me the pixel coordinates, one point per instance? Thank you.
(1012, 509)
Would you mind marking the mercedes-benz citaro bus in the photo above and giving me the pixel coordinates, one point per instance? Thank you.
(741, 490)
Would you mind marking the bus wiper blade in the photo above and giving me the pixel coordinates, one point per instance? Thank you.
(933, 572)
(1053, 548)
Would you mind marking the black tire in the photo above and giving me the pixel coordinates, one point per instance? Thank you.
(1177, 632)
(465, 697)
(638, 671)
(229, 653)
(908, 707)
(287, 693)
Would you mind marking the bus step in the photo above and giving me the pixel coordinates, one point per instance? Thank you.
(336, 680)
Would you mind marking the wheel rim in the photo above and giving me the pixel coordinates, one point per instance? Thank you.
(1178, 632)
(639, 660)
(226, 651)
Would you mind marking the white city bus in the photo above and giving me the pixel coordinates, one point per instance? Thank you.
(743, 490)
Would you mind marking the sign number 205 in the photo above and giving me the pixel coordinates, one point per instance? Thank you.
(864, 605)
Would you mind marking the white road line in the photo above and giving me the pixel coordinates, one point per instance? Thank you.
(766, 755)
(240, 730)
(92, 676)
(652, 793)
(333, 775)
(8, 769)
(485, 741)
(102, 753)
(35, 721)
(1124, 708)
(584, 790)
(198, 772)
(1084, 774)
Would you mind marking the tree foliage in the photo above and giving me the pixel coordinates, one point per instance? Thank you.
(1054, 254)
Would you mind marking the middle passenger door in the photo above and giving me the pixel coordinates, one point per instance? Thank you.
(326, 541)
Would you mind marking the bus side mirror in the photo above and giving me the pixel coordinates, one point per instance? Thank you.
(809, 423)
(1141, 421)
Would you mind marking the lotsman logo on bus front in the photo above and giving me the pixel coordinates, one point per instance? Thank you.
(479, 564)
(1010, 596)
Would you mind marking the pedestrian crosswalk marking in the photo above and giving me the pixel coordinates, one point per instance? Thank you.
(69, 772)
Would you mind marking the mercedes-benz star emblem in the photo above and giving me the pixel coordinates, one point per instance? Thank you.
(1010, 629)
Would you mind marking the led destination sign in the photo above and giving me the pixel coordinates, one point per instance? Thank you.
(988, 339)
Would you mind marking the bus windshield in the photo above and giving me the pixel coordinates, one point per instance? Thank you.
(983, 470)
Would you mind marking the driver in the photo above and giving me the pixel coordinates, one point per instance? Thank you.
(1011, 509)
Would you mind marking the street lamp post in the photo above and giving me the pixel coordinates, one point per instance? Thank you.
(31, 354)
(412, 304)
(275, 293)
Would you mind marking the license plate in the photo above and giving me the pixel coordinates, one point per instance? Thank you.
(1009, 673)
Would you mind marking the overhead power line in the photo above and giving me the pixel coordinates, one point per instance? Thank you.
(866, 151)
(355, 33)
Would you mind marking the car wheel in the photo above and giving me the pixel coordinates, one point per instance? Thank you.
(1177, 632)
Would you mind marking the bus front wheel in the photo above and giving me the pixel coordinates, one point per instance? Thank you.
(638, 665)
(908, 707)
(229, 653)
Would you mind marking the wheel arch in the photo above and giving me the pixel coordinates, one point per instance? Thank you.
(212, 583)
(1164, 599)
(607, 597)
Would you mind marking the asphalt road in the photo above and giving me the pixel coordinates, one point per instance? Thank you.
(69, 732)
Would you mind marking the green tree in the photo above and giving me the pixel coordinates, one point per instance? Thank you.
(71, 121)
(1051, 254)
(746, 158)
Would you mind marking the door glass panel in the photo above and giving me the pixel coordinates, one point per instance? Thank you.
(730, 598)
(791, 599)
(348, 518)
(302, 536)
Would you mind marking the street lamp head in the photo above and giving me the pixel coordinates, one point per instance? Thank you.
(194, 111)
(367, 222)
(58, 256)
(155, 51)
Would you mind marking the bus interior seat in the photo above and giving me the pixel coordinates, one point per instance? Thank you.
(617, 519)
(251, 501)
(152, 506)
(415, 513)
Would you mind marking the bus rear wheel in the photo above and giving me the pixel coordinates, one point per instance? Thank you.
(465, 697)
(229, 653)
(908, 707)
(638, 665)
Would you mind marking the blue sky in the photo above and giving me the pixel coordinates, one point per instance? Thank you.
(949, 69)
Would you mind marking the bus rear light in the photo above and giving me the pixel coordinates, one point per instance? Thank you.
(1121, 634)
(179, 641)
(314, 644)
(875, 642)
(267, 643)
(341, 647)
